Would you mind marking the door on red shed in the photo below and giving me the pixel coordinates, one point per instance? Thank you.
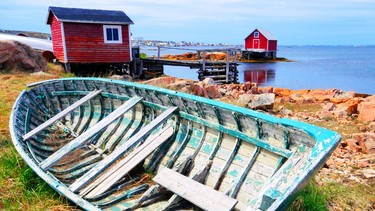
(256, 43)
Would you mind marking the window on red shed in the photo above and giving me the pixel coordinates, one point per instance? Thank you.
(112, 34)
(256, 34)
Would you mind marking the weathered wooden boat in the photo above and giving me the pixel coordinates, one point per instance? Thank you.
(115, 145)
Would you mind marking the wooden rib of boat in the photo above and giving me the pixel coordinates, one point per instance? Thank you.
(115, 145)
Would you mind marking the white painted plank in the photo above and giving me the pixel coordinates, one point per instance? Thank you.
(195, 192)
(120, 151)
(84, 137)
(124, 166)
(61, 114)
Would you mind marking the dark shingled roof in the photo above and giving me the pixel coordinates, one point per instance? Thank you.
(64, 14)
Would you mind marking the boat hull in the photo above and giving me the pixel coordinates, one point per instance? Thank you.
(100, 143)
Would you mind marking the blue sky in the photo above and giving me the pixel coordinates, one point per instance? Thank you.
(292, 22)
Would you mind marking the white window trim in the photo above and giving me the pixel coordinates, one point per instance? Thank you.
(256, 33)
(118, 27)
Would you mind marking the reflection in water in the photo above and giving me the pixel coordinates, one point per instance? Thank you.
(261, 77)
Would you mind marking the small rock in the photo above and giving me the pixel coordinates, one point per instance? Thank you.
(41, 73)
(282, 92)
(208, 81)
(368, 173)
(366, 142)
(177, 85)
(122, 77)
(211, 91)
(244, 99)
(197, 89)
(363, 164)
(340, 113)
(247, 86)
(329, 107)
(286, 112)
(223, 91)
(262, 101)
(325, 114)
(265, 89)
(355, 179)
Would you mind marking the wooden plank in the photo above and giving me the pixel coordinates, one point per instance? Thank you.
(124, 166)
(84, 137)
(121, 150)
(61, 114)
(195, 192)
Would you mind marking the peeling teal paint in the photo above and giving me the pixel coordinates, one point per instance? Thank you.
(207, 148)
(233, 173)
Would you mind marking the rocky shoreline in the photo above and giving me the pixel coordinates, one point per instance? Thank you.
(349, 113)
(219, 56)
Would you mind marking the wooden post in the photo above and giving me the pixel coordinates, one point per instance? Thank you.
(235, 56)
(199, 55)
(158, 52)
(227, 67)
(68, 68)
(204, 61)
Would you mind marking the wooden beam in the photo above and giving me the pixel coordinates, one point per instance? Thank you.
(84, 137)
(227, 67)
(193, 191)
(120, 151)
(124, 166)
(245, 172)
(61, 114)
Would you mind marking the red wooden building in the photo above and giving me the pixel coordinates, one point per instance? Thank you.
(260, 43)
(88, 36)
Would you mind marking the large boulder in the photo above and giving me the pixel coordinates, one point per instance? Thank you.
(366, 109)
(17, 56)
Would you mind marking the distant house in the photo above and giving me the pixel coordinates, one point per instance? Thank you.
(87, 36)
(260, 43)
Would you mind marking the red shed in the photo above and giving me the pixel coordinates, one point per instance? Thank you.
(261, 41)
(87, 36)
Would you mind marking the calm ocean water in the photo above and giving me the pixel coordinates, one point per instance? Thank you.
(349, 68)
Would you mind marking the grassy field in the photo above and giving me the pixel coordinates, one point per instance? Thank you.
(21, 188)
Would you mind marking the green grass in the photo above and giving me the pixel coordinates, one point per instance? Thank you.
(21, 188)
(143, 55)
(68, 75)
(357, 197)
(333, 195)
(311, 198)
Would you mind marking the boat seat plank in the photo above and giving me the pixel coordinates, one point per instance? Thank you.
(120, 151)
(61, 114)
(121, 168)
(193, 191)
(84, 137)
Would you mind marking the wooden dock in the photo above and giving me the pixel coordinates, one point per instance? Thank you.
(219, 71)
